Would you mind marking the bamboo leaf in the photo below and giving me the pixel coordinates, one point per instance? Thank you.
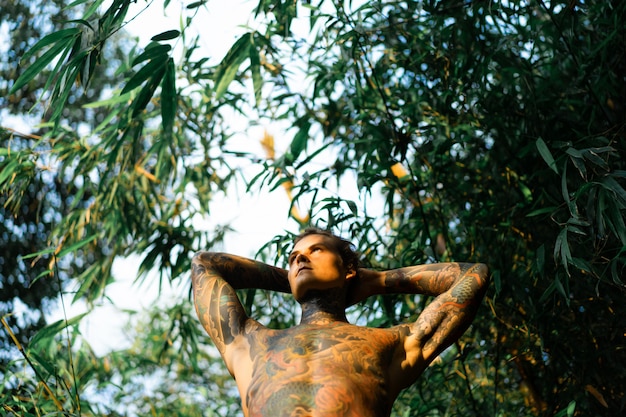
(146, 72)
(595, 159)
(166, 36)
(75, 3)
(579, 163)
(541, 259)
(562, 250)
(9, 170)
(40, 253)
(86, 282)
(93, 7)
(615, 274)
(38, 66)
(255, 69)
(300, 139)
(152, 52)
(612, 185)
(58, 102)
(76, 246)
(46, 335)
(544, 210)
(47, 366)
(561, 289)
(546, 154)
(227, 69)
(54, 37)
(196, 4)
(147, 92)
(168, 98)
(565, 193)
(103, 103)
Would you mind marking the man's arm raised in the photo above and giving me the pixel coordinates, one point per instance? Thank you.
(458, 289)
(214, 277)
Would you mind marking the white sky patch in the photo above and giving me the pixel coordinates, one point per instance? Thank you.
(255, 217)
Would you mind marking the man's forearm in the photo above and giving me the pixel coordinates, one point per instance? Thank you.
(243, 273)
(429, 279)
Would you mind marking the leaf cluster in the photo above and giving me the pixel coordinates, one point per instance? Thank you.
(467, 131)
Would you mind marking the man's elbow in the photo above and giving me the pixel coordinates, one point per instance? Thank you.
(200, 263)
(482, 273)
(205, 257)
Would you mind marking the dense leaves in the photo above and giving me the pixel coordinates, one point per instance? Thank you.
(425, 131)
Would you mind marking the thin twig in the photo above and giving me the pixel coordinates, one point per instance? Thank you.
(69, 341)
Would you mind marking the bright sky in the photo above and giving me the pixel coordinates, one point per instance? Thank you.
(256, 218)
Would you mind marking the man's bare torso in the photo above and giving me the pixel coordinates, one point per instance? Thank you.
(320, 370)
(326, 367)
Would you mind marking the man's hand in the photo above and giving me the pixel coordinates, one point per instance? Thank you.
(366, 283)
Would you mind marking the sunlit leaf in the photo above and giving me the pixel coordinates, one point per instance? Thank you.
(76, 246)
(39, 253)
(9, 170)
(228, 68)
(255, 69)
(109, 101)
(48, 333)
(93, 7)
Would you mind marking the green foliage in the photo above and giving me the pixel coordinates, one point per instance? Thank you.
(478, 131)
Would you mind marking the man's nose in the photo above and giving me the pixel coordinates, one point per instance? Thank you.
(301, 257)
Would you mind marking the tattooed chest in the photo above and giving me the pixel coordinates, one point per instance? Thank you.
(310, 374)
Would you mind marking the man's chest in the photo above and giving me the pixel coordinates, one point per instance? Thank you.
(338, 371)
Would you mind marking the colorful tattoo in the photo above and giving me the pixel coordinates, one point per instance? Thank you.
(331, 370)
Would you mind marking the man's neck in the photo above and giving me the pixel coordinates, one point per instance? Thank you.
(323, 307)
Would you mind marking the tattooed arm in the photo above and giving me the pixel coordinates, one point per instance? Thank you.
(215, 276)
(458, 289)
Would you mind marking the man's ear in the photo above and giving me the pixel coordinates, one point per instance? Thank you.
(350, 273)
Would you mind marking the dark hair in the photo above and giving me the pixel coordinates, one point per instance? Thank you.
(344, 247)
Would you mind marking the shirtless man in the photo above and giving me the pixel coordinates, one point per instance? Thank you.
(326, 366)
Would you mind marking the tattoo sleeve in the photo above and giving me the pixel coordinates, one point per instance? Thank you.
(215, 277)
(428, 279)
(242, 272)
(450, 313)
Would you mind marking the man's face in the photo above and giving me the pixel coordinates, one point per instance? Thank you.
(315, 264)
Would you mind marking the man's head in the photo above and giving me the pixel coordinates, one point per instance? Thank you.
(320, 261)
